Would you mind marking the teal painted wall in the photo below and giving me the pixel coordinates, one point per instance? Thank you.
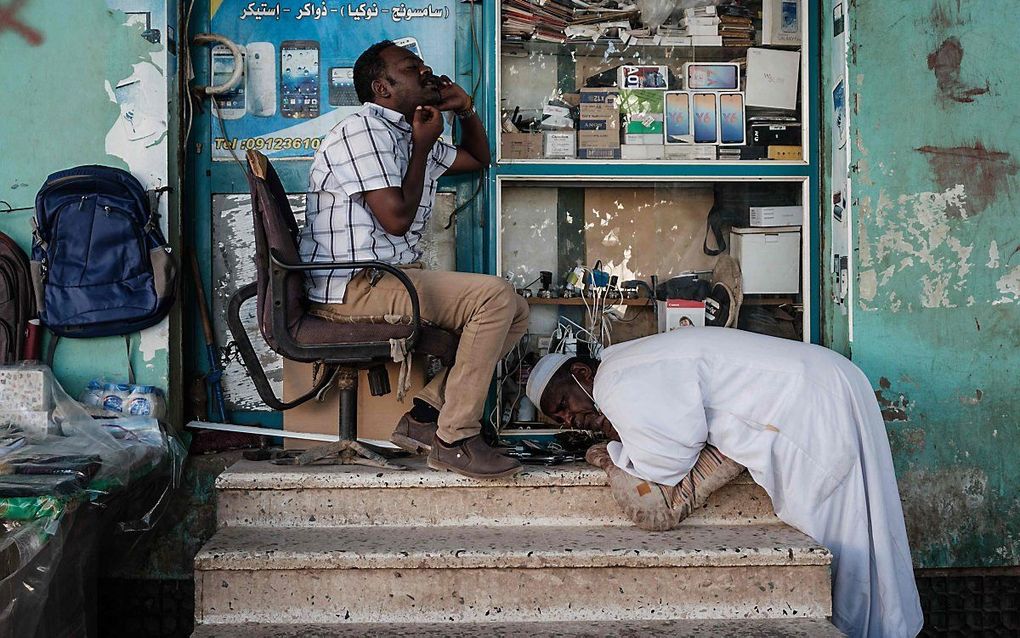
(58, 111)
(936, 323)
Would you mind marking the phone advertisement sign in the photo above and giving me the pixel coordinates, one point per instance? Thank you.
(297, 60)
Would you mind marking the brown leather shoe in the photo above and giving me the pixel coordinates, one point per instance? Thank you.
(474, 458)
(413, 436)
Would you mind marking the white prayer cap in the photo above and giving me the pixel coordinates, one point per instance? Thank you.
(542, 373)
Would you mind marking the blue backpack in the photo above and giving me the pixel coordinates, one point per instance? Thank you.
(100, 265)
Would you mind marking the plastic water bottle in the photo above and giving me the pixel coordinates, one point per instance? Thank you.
(145, 400)
(114, 395)
(93, 394)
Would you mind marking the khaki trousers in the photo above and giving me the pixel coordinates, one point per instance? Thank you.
(483, 310)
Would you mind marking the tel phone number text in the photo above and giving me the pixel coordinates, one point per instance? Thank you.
(267, 143)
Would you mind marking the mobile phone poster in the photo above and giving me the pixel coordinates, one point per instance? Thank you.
(297, 61)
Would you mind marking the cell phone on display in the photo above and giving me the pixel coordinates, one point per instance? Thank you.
(341, 87)
(731, 118)
(299, 79)
(678, 118)
(260, 72)
(411, 45)
(229, 105)
(704, 116)
(721, 76)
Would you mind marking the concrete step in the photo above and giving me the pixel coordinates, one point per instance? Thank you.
(492, 574)
(758, 628)
(265, 495)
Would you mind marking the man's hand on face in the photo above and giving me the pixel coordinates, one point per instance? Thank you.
(426, 126)
(451, 96)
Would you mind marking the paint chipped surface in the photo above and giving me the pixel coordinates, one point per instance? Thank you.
(909, 244)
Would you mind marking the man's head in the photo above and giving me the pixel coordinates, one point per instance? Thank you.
(562, 386)
(392, 76)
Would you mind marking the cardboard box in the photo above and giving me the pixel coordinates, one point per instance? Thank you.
(521, 145)
(642, 111)
(377, 416)
(689, 152)
(599, 104)
(681, 313)
(560, 144)
(598, 144)
(773, 216)
(769, 259)
(25, 388)
(642, 151)
(639, 139)
(787, 153)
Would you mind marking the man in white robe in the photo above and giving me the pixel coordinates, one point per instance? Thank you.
(801, 418)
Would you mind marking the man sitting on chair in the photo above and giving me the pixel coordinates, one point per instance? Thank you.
(371, 191)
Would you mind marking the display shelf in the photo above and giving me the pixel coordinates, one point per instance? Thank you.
(573, 48)
(578, 301)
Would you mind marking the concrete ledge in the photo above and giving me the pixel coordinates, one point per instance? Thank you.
(761, 628)
(512, 595)
(361, 548)
(264, 495)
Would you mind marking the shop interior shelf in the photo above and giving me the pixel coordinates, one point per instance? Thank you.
(620, 50)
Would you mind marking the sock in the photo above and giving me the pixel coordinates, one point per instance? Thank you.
(423, 412)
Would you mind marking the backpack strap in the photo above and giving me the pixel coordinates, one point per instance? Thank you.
(51, 350)
(714, 226)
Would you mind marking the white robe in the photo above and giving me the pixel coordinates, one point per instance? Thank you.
(805, 423)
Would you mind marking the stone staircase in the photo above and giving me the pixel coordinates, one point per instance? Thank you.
(354, 551)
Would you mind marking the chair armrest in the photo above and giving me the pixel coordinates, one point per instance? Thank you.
(278, 262)
(251, 360)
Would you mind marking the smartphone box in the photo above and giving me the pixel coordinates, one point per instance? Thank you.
(599, 104)
(732, 119)
(771, 134)
(705, 117)
(681, 313)
(691, 152)
(711, 76)
(786, 153)
(643, 76)
(781, 22)
(651, 139)
(769, 259)
(773, 76)
(772, 216)
(598, 144)
(678, 127)
(560, 144)
(642, 151)
(521, 145)
(642, 111)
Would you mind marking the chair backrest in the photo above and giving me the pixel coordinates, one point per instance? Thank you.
(276, 229)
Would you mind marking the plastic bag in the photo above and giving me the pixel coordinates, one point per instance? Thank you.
(65, 475)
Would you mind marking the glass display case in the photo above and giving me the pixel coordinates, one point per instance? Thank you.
(652, 81)
(602, 262)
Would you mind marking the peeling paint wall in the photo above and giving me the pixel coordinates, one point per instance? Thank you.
(936, 327)
(86, 89)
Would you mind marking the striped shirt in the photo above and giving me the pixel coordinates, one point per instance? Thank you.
(366, 151)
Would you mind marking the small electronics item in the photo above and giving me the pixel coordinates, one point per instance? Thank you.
(341, 87)
(715, 76)
(705, 116)
(229, 105)
(731, 119)
(411, 45)
(643, 77)
(678, 118)
(299, 79)
(260, 72)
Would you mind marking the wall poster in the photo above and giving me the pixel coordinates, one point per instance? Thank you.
(298, 60)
